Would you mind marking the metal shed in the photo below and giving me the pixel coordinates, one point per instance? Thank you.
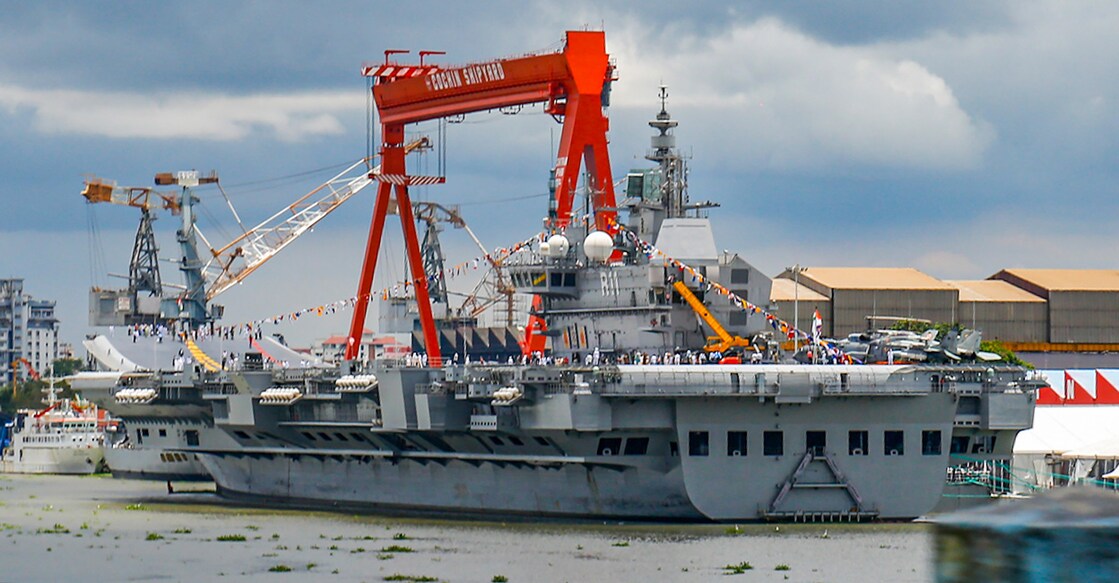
(1083, 304)
(785, 295)
(1002, 311)
(857, 293)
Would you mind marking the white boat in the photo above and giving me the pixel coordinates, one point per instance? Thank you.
(67, 437)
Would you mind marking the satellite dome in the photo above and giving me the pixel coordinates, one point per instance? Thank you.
(545, 249)
(558, 245)
(598, 246)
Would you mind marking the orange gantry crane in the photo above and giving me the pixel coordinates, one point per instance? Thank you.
(574, 83)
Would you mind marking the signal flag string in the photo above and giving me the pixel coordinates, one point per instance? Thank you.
(499, 254)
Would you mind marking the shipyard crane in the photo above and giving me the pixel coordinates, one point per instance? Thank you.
(143, 268)
(722, 340)
(487, 292)
(27, 365)
(236, 260)
(574, 83)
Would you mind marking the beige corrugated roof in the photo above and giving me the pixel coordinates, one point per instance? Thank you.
(991, 290)
(784, 290)
(1069, 279)
(903, 278)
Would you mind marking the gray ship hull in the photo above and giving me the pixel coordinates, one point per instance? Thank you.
(789, 448)
(452, 486)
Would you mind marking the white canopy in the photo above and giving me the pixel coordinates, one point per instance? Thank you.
(1065, 429)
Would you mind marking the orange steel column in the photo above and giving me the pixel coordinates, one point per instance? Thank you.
(419, 277)
(584, 128)
(368, 266)
(393, 165)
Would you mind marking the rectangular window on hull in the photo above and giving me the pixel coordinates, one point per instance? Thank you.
(736, 443)
(610, 446)
(637, 446)
(773, 443)
(983, 444)
(816, 442)
(931, 443)
(698, 444)
(959, 444)
(894, 442)
(858, 443)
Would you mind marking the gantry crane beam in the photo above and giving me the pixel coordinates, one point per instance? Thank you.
(574, 83)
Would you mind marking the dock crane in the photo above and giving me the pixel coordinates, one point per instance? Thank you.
(574, 84)
(144, 275)
(488, 292)
(722, 340)
(143, 269)
(232, 263)
(236, 260)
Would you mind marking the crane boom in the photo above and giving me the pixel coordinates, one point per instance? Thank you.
(722, 340)
(101, 190)
(240, 257)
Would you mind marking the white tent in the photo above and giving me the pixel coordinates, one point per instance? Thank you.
(1064, 428)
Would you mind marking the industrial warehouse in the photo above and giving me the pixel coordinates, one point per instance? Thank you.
(1055, 318)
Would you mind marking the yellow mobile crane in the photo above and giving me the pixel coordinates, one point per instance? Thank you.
(722, 341)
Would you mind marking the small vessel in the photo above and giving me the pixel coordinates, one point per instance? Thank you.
(67, 437)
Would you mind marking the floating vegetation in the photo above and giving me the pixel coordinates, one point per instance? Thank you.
(154, 536)
(279, 569)
(384, 556)
(397, 549)
(275, 536)
(357, 550)
(734, 530)
(56, 529)
(333, 547)
(781, 567)
(400, 536)
(232, 538)
(182, 531)
(411, 578)
(499, 579)
(136, 506)
(737, 568)
(252, 527)
(84, 526)
(622, 543)
(311, 566)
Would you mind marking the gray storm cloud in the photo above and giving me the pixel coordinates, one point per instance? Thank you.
(772, 97)
(290, 117)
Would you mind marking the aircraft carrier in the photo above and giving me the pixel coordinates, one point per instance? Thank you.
(612, 416)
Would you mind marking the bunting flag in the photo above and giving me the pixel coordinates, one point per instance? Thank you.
(392, 292)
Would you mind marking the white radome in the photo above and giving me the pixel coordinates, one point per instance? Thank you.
(558, 245)
(545, 249)
(598, 246)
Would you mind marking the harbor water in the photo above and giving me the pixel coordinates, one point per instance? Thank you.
(95, 528)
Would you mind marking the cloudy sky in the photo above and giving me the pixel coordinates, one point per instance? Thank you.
(958, 137)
